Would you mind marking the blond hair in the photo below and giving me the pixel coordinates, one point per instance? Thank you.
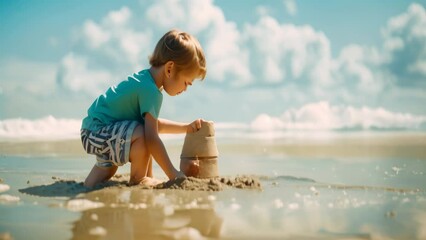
(181, 48)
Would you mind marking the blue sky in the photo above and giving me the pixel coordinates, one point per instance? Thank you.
(267, 60)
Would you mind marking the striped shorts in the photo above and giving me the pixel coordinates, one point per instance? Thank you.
(110, 144)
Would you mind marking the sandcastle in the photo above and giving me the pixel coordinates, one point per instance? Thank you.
(199, 153)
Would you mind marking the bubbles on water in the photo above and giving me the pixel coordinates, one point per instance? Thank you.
(235, 206)
(278, 203)
(98, 231)
(417, 172)
(138, 206)
(314, 190)
(293, 206)
(4, 187)
(77, 205)
(6, 198)
(396, 170)
(192, 204)
(94, 217)
(124, 197)
(211, 198)
(168, 210)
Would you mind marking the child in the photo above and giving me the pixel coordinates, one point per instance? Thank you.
(123, 125)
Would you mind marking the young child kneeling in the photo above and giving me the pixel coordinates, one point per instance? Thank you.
(123, 124)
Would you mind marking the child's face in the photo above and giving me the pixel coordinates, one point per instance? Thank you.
(178, 83)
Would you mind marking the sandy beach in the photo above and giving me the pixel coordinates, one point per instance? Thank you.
(382, 144)
(347, 186)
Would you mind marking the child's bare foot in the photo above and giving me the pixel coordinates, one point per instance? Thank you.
(148, 181)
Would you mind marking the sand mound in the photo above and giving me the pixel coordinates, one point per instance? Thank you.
(60, 188)
(71, 188)
(213, 184)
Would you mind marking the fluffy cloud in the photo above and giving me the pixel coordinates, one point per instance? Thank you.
(118, 44)
(290, 7)
(405, 46)
(291, 63)
(300, 55)
(117, 38)
(319, 116)
(264, 53)
(221, 38)
(75, 75)
(286, 52)
(105, 53)
(360, 69)
(324, 116)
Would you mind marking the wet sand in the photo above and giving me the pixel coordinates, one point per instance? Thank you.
(386, 144)
(145, 210)
(344, 187)
(70, 188)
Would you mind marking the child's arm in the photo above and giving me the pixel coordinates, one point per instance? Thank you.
(157, 149)
(168, 126)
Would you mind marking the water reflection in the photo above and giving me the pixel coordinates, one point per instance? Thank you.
(147, 214)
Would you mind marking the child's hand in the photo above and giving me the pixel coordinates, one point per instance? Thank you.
(194, 126)
(191, 168)
(180, 174)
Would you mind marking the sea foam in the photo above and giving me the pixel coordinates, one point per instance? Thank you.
(44, 128)
(319, 116)
(4, 187)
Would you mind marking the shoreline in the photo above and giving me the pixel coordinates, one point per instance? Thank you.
(381, 144)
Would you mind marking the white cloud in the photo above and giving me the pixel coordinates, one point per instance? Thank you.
(266, 52)
(405, 46)
(94, 34)
(301, 53)
(106, 52)
(290, 7)
(317, 116)
(110, 27)
(275, 73)
(222, 40)
(166, 13)
(323, 116)
(118, 18)
(76, 76)
(360, 68)
(295, 60)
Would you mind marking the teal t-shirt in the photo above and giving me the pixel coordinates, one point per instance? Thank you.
(129, 100)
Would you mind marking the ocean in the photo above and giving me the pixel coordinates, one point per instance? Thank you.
(328, 184)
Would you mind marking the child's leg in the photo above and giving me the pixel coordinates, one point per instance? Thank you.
(149, 173)
(98, 175)
(139, 157)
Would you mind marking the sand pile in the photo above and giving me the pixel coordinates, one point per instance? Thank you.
(70, 188)
(200, 184)
(213, 184)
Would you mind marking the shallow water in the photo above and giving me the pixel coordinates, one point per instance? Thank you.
(331, 196)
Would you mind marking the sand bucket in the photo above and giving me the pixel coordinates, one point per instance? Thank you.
(199, 153)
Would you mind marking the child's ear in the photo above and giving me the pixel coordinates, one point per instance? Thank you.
(169, 67)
